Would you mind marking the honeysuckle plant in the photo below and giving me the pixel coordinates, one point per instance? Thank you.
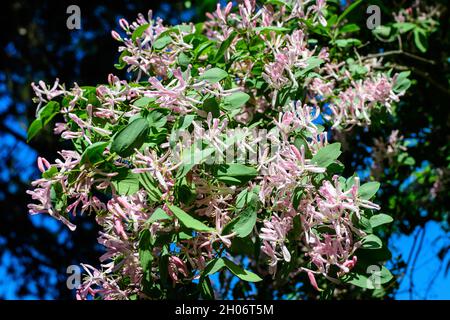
(217, 155)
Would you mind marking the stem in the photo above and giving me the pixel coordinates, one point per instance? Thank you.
(399, 52)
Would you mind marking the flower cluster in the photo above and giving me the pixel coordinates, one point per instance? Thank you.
(386, 150)
(251, 88)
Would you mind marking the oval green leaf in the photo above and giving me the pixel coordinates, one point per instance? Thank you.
(188, 221)
(129, 138)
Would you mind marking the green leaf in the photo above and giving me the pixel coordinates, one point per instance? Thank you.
(358, 280)
(312, 63)
(271, 28)
(368, 190)
(129, 138)
(191, 157)
(94, 153)
(48, 112)
(214, 266)
(420, 39)
(247, 218)
(139, 31)
(300, 141)
(235, 100)
(383, 32)
(185, 191)
(343, 43)
(371, 241)
(182, 123)
(159, 214)
(385, 275)
(183, 59)
(145, 254)
(364, 224)
(162, 42)
(44, 116)
(50, 172)
(349, 28)
(327, 155)
(357, 69)
(404, 27)
(245, 223)
(243, 198)
(157, 118)
(241, 273)
(184, 236)
(185, 121)
(163, 266)
(280, 3)
(121, 63)
(188, 221)
(373, 277)
(371, 256)
(213, 75)
(402, 83)
(224, 47)
(147, 181)
(380, 219)
(203, 47)
(348, 10)
(206, 289)
(58, 197)
(128, 185)
(211, 105)
(331, 21)
(297, 196)
(236, 173)
(178, 29)
(143, 102)
(409, 161)
(350, 181)
(34, 129)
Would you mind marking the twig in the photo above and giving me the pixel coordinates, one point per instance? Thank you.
(399, 52)
(411, 252)
(411, 274)
(424, 75)
(427, 77)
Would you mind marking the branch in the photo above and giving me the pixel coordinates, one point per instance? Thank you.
(424, 75)
(427, 77)
(399, 52)
(6, 129)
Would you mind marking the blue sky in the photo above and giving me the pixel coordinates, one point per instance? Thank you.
(427, 267)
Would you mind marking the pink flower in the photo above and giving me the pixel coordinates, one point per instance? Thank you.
(274, 235)
(222, 15)
(313, 281)
(45, 94)
(175, 267)
(98, 284)
(43, 164)
(124, 24)
(116, 36)
(318, 9)
(351, 263)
